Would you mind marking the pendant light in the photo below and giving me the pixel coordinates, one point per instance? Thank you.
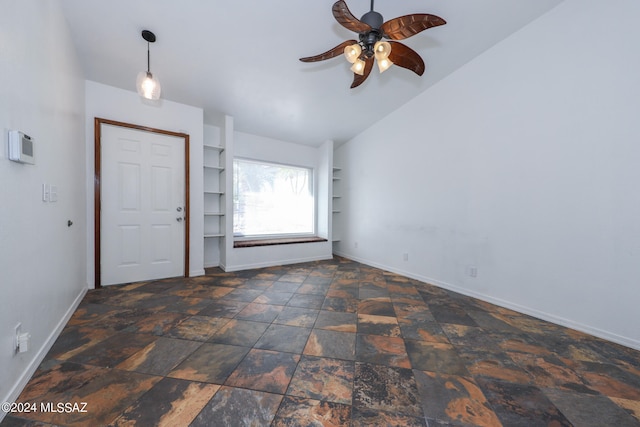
(147, 85)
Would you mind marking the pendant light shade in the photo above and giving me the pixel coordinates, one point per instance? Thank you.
(148, 86)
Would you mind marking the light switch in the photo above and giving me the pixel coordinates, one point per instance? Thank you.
(53, 193)
(45, 192)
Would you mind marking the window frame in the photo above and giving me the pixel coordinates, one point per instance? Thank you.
(257, 237)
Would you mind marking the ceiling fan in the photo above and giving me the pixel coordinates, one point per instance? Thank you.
(371, 29)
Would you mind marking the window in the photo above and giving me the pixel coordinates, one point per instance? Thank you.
(272, 200)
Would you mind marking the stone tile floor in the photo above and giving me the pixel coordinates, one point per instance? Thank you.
(332, 343)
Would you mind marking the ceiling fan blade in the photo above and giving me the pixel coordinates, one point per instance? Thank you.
(405, 57)
(408, 25)
(332, 53)
(345, 18)
(359, 79)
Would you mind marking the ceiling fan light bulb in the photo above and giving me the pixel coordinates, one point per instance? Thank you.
(382, 50)
(384, 64)
(148, 86)
(352, 52)
(358, 67)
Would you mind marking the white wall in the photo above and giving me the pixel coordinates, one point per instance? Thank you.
(523, 164)
(267, 149)
(324, 192)
(42, 265)
(111, 103)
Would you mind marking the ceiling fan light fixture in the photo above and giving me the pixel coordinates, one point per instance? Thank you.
(384, 64)
(371, 29)
(358, 67)
(382, 50)
(352, 53)
(148, 86)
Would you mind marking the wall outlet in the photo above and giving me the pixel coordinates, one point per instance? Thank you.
(405, 256)
(24, 340)
(472, 271)
(355, 245)
(16, 335)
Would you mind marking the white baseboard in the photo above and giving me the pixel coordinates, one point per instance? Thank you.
(40, 355)
(211, 264)
(607, 335)
(196, 273)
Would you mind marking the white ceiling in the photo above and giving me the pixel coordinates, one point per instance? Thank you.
(241, 57)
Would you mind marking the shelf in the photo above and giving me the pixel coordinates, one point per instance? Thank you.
(214, 164)
(336, 204)
(213, 147)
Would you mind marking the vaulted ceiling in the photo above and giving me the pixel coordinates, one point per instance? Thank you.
(241, 57)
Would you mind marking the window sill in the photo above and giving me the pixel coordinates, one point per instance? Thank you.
(279, 241)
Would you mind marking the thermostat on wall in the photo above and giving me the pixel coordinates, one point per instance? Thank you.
(20, 147)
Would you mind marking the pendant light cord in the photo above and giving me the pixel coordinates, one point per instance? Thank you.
(371, 5)
(148, 60)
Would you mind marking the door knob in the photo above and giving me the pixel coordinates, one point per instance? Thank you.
(179, 209)
(179, 219)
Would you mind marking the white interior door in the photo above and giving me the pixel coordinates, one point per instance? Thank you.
(143, 205)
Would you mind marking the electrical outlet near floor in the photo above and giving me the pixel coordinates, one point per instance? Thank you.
(17, 332)
(405, 256)
(472, 271)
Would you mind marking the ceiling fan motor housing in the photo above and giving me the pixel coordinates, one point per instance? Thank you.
(373, 19)
(371, 37)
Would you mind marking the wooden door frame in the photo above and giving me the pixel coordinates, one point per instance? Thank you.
(97, 163)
